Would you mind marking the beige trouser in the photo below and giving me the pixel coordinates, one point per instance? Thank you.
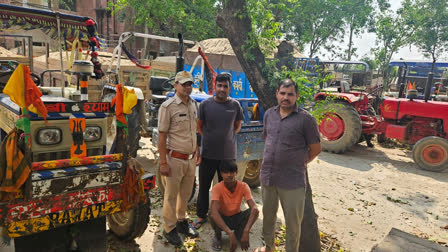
(293, 202)
(177, 191)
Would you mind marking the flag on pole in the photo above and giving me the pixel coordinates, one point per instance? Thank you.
(23, 91)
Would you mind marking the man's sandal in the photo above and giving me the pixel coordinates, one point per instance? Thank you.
(197, 224)
(216, 245)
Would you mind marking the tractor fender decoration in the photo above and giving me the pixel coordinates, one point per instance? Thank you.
(133, 58)
(132, 190)
(209, 72)
(96, 66)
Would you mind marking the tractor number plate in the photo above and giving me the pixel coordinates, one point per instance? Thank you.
(53, 220)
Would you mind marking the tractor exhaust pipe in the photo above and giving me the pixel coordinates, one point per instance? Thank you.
(429, 81)
(180, 55)
(428, 86)
(402, 80)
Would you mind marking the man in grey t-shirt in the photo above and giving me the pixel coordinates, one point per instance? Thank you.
(219, 121)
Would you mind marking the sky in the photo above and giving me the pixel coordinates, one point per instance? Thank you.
(364, 42)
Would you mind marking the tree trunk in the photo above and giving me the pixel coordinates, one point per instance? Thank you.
(236, 24)
(350, 41)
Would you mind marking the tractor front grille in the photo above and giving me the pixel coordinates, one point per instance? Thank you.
(47, 156)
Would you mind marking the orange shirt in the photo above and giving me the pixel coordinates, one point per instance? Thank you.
(230, 203)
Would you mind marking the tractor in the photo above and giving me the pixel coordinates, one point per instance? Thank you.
(422, 123)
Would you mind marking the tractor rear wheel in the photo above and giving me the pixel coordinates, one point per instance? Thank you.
(431, 153)
(340, 128)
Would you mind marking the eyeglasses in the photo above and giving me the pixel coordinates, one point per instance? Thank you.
(187, 84)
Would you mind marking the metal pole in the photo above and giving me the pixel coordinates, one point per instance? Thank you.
(429, 82)
(58, 18)
(84, 88)
(30, 52)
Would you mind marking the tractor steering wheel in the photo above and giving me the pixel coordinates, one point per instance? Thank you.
(36, 79)
(166, 85)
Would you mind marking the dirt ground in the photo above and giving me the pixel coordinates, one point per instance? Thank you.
(359, 196)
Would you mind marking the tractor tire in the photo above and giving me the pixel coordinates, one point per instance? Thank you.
(431, 153)
(341, 129)
(252, 175)
(161, 183)
(131, 224)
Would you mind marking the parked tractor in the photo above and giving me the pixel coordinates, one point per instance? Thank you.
(422, 123)
(70, 162)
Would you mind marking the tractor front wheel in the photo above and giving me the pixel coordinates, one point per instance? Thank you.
(252, 174)
(128, 225)
(431, 153)
(340, 128)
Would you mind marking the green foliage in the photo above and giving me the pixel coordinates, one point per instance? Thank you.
(265, 23)
(315, 23)
(308, 85)
(429, 19)
(195, 19)
(371, 62)
(393, 31)
(69, 5)
(358, 16)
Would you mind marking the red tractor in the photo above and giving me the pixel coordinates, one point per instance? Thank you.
(422, 123)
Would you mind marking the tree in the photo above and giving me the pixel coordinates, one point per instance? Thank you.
(392, 32)
(193, 18)
(235, 21)
(429, 19)
(358, 15)
(316, 24)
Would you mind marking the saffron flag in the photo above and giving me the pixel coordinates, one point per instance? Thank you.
(23, 91)
(118, 102)
(124, 100)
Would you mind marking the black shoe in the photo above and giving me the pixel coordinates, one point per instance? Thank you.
(173, 237)
(184, 228)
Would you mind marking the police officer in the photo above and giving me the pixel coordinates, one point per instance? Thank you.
(179, 155)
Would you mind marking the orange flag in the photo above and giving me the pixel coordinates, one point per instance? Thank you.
(23, 91)
(118, 101)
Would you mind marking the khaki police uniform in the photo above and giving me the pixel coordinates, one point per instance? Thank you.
(178, 120)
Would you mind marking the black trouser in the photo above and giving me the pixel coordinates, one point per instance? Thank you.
(236, 222)
(207, 170)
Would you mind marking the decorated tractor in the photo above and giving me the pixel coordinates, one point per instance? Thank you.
(354, 115)
(66, 163)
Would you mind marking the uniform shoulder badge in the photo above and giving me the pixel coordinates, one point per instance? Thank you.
(168, 102)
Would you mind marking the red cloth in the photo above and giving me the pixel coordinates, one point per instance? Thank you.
(33, 94)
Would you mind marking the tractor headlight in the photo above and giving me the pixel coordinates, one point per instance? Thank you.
(49, 136)
(92, 133)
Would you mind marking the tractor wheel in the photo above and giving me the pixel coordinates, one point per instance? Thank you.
(161, 183)
(431, 153)
(131, 224)
(252, 175)
(341, 128)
